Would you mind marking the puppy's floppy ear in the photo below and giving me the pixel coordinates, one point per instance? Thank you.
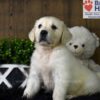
(31, 35)
(97, 40)
(66, 35)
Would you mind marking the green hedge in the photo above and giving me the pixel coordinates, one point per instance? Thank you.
(15, 51)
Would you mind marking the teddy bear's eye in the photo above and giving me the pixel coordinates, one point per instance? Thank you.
(83, 45)
(70, 43)
(39, 26)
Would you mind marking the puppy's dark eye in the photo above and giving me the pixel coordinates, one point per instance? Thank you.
(70, 43)
(83, 45)
(39, 26)
(53, 27)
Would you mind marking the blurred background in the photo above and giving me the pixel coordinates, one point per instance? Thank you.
(17, 17)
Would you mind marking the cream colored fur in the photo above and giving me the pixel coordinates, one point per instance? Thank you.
(55, 66)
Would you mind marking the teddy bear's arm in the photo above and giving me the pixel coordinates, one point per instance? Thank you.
(93, 66)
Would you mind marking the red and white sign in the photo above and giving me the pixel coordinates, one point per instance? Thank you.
(91, 9)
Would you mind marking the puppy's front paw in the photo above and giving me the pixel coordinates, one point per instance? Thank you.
(27, 94)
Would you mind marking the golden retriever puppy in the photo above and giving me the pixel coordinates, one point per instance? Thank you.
(54, 66)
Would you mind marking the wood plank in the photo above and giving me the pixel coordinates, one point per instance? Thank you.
(23, 16)
(53, 8)
(76, 16)
(4, 18)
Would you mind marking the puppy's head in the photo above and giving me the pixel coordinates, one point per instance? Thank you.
(49, 31)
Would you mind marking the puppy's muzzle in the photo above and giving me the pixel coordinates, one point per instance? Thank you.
(43, 36)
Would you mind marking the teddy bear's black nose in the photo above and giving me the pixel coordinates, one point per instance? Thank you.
(75, 46)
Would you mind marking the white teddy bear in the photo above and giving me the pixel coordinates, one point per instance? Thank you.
(83, 45)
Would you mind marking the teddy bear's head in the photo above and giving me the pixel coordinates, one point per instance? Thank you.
(83, 43)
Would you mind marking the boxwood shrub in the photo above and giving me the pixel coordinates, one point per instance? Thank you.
(15, 51)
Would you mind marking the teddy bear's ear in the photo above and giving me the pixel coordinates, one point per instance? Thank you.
(97, 40)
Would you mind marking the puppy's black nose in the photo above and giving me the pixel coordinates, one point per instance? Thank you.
(75, 46)
(43, 35)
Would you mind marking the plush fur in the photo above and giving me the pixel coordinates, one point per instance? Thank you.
(83, 45)
(54, 65)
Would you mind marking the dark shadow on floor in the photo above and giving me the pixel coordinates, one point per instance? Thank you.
(16, 94)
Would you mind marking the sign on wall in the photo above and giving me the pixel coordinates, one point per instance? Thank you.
(91, 9)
